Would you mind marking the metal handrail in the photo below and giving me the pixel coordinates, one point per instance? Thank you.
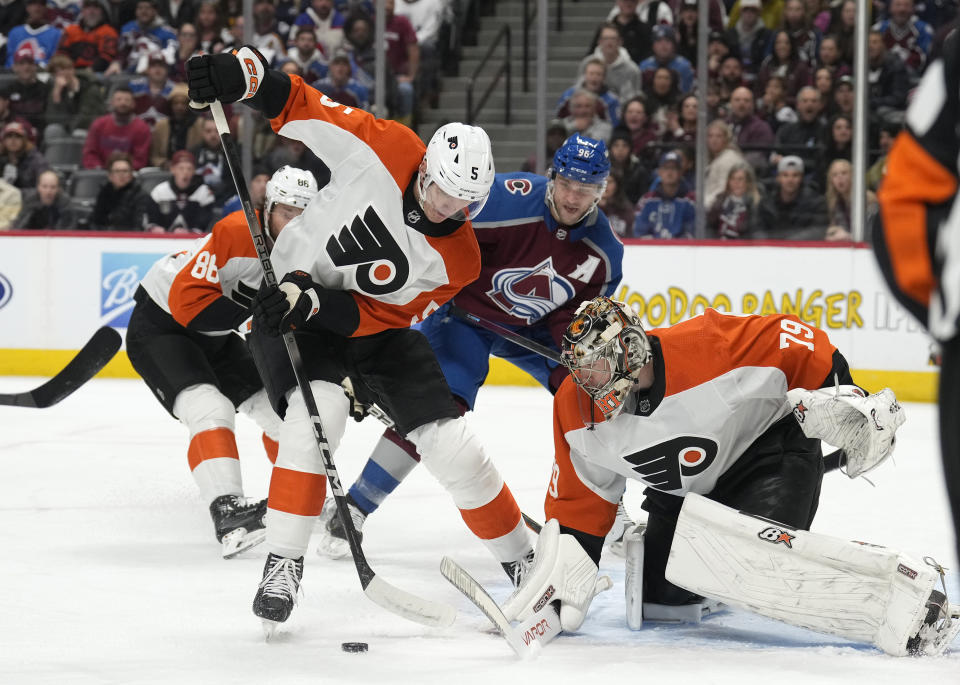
(503, 33)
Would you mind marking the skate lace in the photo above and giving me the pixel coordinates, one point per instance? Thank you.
(282, 580)
(520, 568)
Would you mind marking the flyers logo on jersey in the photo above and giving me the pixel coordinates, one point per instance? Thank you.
(367, 243)
(662, 465)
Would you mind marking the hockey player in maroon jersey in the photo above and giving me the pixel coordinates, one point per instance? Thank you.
(545, 247)
(181, 340)
(721, 418)
(386, 243)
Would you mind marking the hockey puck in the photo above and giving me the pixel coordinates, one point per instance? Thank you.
(354, 646)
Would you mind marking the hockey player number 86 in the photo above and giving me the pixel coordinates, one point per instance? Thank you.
(206, 268)
(791, 329)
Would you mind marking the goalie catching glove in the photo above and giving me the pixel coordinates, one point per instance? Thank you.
(227, 77)
(561, 572)
(864, 427)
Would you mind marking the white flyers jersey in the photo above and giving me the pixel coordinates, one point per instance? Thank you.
(220, 264)
(721, 381)
(363, 232)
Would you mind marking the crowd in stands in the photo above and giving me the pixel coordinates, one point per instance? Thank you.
(96, 131)
(779, 96)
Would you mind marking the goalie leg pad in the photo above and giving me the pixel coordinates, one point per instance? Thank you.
(858, 591)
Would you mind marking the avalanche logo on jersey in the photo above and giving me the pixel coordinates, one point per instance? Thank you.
(382, 267)
(662, 465)
(530, 294)
(518, 186)
(120, 274)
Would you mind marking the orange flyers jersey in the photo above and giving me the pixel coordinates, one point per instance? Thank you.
(721, 382)
(220, 264)
(356, 235)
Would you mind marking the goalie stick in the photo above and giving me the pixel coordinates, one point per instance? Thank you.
(91, 358)
(378, 590)
(529, 636)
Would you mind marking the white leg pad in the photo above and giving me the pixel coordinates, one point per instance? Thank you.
(258, 408)
(455, 457)
(861, 592)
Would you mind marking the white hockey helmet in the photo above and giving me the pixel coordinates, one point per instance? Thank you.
(288, 186)
(460, 163)
(603, 348)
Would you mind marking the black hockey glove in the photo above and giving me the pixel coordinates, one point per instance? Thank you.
(227, 77)
(288, 306)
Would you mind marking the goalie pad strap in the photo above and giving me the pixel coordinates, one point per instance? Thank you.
(858, 591)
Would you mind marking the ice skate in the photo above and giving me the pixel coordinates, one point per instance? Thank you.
(333, 544)
(517, 570)
(623, 522)
(278, 591)
(238, 523)
(939, 629)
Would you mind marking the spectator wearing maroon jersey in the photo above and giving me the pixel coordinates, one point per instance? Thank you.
(642, 133)
(119, 130)
(750, 131)
(783, 62)
(188, 40)
(27, 94)
(906, 37)
(91, 43)
(805, 38)
(830, 58)
(21, 162)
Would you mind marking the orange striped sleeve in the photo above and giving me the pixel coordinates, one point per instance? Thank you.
(569, 500)
(399, 149)
(461, 257)
(802, 352)
(914, 180)
(196, 286)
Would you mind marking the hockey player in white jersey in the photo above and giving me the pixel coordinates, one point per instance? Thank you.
(721, 417)
(182, 340)
(383, 245)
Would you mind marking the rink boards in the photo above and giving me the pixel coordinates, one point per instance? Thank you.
(55, 291)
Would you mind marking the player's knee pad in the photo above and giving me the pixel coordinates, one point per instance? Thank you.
(203, 407)
(455, 457)
(298, 445)
(258, 408)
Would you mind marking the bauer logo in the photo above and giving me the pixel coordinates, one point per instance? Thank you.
(6, 291)
(120, 274)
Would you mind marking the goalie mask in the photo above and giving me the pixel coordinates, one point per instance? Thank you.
(459, 172)
(603, 348)
(288, 186)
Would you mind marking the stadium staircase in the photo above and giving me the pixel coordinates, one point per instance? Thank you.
(514, 143)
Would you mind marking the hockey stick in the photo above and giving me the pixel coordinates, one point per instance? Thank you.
(523, 341)
(529, 636)
(92, 357)
(378, 590)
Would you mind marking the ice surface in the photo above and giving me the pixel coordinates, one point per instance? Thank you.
(110, 573)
